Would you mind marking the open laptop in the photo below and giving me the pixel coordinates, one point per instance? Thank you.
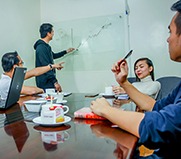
(15, 88)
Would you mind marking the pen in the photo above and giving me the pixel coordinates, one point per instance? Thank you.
(129, 54)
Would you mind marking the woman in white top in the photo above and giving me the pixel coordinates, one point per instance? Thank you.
(144, 72)
(145, 82)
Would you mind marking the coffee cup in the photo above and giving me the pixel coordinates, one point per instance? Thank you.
(108, 90)
(53, 113)
(58, 97)
(49, 91)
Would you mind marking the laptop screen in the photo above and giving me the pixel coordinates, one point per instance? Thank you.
(15, 86)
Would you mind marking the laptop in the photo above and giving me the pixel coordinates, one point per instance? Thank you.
(15, 88)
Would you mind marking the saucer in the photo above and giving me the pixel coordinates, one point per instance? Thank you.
(66, 94)
(122, 96)
(37, 120)
(40, 128)
(62, 102)
(107, 95)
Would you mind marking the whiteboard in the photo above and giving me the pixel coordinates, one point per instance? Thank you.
(99, 40)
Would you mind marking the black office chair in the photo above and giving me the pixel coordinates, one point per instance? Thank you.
(168, 83)
(132, 79)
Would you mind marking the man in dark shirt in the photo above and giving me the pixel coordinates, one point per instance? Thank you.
(45, 56)
(161, 124)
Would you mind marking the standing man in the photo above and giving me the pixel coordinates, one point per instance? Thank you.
(45, 56)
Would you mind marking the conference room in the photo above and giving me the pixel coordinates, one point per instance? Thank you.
(102, 32)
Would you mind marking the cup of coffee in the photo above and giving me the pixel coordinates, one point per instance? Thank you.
(108, 90)
(49, 91)
(58, 96)
(53, 113)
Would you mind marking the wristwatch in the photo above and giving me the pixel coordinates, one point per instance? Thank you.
(51, 67)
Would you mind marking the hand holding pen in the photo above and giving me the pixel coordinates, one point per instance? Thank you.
(128, 55)
(116, 66)
(120, 69)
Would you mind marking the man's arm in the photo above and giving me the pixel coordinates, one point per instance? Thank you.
(41, 70)
(126, 120)
(62, 53)
(30, 90)
(142, 100)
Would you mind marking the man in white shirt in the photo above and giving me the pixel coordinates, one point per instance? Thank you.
(9, 62)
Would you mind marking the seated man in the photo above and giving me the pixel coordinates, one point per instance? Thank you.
(161, 125)
(12, 60)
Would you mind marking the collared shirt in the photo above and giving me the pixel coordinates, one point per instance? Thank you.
(163, 125)
(4, 86)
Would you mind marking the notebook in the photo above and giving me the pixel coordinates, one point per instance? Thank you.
(86, 113)
(15, 88)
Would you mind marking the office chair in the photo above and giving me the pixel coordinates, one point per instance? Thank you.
(168, 83)
(132, 79)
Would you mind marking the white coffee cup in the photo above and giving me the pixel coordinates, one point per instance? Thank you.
(53, 113)
(49, 91)
(58, 96)
(108, 90)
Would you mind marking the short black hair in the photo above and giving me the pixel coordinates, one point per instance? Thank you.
(44, 29)
(9, 60)
(177, 7)
(149, 63)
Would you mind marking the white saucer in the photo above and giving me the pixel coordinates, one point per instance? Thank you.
(37, 120)
(62, 102)
(107, 95)
(66, 93)
(122, 96)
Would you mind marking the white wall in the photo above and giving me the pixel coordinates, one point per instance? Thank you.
(62, 10)
(20, 21)
(148, 21)
(19, 25)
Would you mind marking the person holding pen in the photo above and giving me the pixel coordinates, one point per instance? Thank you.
(144, 72)
(160, 126)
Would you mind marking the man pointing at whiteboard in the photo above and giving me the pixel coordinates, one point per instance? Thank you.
(45, 56)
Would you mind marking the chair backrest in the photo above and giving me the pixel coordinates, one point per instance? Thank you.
(132, 79)
(168, 83)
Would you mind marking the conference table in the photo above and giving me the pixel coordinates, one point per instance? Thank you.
(78, 139)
